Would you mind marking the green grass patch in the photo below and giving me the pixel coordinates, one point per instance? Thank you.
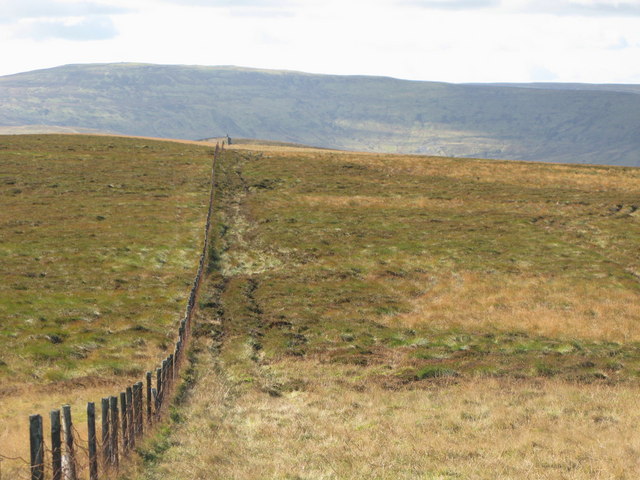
(357, 259)
(102, 240)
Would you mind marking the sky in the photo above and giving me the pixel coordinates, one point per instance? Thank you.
(592, 41)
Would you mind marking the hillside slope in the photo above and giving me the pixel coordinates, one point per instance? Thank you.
(391, 317)
(581, 124)
(99, 240)
(373, 316)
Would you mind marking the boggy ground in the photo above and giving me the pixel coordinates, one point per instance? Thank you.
(370, 316)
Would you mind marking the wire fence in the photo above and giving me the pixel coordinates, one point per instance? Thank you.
(125, 417)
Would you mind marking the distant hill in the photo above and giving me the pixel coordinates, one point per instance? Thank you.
(546, 122)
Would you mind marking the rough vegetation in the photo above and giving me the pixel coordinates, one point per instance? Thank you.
(372, 316)
(364, 316)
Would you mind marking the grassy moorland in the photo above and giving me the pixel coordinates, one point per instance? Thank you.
(99, 243)
(387, 317)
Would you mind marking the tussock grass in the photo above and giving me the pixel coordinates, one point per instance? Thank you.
(537, 304)
(336, 426)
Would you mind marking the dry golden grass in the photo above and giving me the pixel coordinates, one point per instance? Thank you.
(552, 305)
(339, 427)
(379, 202)
(24, 401)
(280, 150)
(598, 178)
(546, 306)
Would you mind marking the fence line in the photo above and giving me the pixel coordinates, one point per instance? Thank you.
(123, 415)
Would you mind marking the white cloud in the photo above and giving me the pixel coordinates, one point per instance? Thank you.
(595, 8)
(589, 8)
(451, 4)
(518, 40)
(620, 44)
(82, 29)
(13, 11)
(42, 20)
(542, 74)
(233, 3)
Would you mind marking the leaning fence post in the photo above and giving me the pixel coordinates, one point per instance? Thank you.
(113, 409)
(106, 450)
(93, 451)
(69, 459)
(148, 399)
(37, 447)
(56, 445)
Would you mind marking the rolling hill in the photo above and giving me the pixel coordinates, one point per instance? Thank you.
(543, 122)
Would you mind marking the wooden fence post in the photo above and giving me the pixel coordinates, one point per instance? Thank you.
(137, 411)
(171, 370)
(134, 410)
(37, 447)
(141, 406)
(69, 458)
(165, 380)
(93, 450)
(148, 378)
(56, 445)
(130, 422)
(113, 437)
(154, 396)
(123, 422)
(158, 391)
(106, 450)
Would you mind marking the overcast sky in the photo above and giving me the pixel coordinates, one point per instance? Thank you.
(596, 41)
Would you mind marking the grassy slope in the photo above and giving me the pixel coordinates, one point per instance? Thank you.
(405, 317)
(99, 242)
(361, 113)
